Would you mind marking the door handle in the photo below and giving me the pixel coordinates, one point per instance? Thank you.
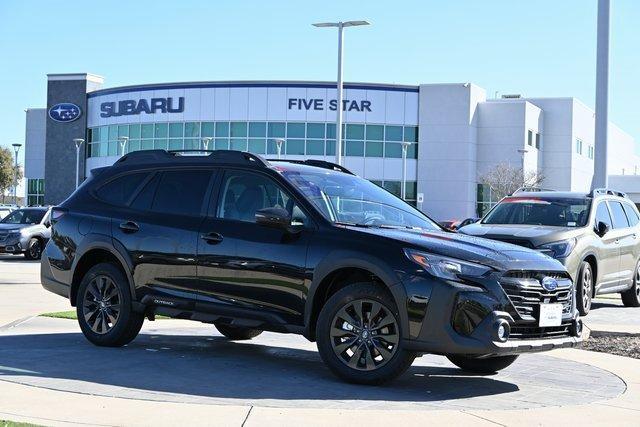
(129, 227)
(212, 238)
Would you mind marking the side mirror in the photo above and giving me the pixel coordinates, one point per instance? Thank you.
(274, 218)
(601, 228)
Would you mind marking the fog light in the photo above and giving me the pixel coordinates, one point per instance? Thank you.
(502, 331)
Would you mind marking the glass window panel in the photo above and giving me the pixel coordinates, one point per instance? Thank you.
(412, 189)
(113, 132)
(134, 131)
(295, 130)
(295, 146)
(41, 186)
(258, 146)
(32, 185)
(375, 149)
(412, 151)
(104, 133)
(221, 143)
(135, 145)
(331, 131)
(355, 148)
(393, 187)
(376, 182)
(94, 134)
(257, 129)
(192, 144)
(411, 133)
(104, 149)
(315, 147)
(355, 132)
(162, 130)
(94, 150)
(181, 192)
(276, 130)
(175, 144)
(375, 132)
(146, 131)
(331, 147)
(207, 129)
(176, 130)
(315, 130)
(530, 138)
(113, 148)
(239, 144)
(393, 150)
(222, 128)
(160, 144)
(393, 133)
(238, 129)
(192, 129)
(123, 130)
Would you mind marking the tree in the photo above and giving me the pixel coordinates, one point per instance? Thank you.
(503, 179)
(8, 171)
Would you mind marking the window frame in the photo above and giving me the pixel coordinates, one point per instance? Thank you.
(613, 225)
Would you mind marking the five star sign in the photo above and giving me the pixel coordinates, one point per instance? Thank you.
(64, 112)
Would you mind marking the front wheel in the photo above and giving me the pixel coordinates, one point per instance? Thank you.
(359, 336)
(34, 249)
(487, 365)
(584, 288)
(631, 297)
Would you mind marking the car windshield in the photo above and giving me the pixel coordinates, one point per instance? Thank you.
(348, 199)
(24, 216)
(556, 212)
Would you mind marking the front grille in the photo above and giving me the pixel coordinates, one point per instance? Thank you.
(525, 291)
(535, 332)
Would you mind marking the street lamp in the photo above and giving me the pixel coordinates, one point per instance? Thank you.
(78, 142)
(205, 141)
(340, 26)
(123, 143)
(405, 148)
(279, 142)
(16, 149)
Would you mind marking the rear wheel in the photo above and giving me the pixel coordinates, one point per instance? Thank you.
(487, 365)
(34, 249)
(104, 307)
(584, 289)
(237, 333)
(359, 337)
(631, 297)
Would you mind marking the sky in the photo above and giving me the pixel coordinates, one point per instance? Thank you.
(534, 48)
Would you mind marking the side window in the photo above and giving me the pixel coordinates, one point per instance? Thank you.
(602, 215)
(243, 194)
(120, 190)
(632, 214)
(181, 192)
(144, 198)
(618, 215)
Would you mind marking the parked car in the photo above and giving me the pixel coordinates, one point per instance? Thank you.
(298, 247)
(596, 236)
(25, 231)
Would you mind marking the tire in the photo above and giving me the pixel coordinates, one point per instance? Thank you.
(237, 333)
(377, 356)
(631, 297)
(34, 249)
(488, 365)
(584, 288)
(104, 307)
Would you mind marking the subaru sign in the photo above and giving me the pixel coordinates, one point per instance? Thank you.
(64, 112)
(133, 107)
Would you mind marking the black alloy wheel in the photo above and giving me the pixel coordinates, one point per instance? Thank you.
(101, 304)
(34, 249)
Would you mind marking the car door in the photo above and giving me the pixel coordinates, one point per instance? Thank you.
(250, 265)
(608, 249)
(159, 229)
(626, 242)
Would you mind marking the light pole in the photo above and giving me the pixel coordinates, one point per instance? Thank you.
(78, 142)
(16, 149)
(405, 148)
(600, 175)
(205, 141)
(279, 142)
(340, 26)
(123, 143)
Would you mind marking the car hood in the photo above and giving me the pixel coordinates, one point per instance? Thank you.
(13, 227)
(499, 255)
(535, 234)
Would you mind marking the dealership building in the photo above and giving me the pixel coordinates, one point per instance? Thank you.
(454, 133)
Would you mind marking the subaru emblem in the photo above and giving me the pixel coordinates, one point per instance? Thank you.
(549, 283)
(64, 112)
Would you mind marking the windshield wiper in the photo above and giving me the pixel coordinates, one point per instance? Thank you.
(353, 224)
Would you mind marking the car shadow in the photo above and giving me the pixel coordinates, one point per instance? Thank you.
(214, 367)
(18, 258)
(605, 304)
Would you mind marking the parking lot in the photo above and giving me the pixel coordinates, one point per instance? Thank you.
(178, 371)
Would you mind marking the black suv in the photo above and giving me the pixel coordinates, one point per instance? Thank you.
(301, 247)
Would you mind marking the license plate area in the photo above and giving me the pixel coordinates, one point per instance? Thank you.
(550, 315)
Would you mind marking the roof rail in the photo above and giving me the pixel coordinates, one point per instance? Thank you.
(227, 156)
(317, 163)
(531, 190)
(606, 191)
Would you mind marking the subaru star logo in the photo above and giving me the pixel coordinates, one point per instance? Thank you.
(64, 112)
(549, 283)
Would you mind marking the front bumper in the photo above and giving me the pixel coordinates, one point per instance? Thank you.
(11, 247)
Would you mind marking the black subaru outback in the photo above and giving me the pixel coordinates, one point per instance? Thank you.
(301, 247)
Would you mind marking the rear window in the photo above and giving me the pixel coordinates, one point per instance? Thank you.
(618, 215)
(120, 190)
(558, 212)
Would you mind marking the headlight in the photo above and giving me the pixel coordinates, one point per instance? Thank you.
(559, 249)
(446, 268)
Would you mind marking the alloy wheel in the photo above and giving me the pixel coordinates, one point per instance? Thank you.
(637, 282)
(364, 334)
(101, 305)
(587, 282)
(34, 249)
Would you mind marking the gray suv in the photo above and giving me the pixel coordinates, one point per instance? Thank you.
(596, 236)
(25, 231)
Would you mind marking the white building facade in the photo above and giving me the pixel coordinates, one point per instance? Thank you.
(455, 133)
